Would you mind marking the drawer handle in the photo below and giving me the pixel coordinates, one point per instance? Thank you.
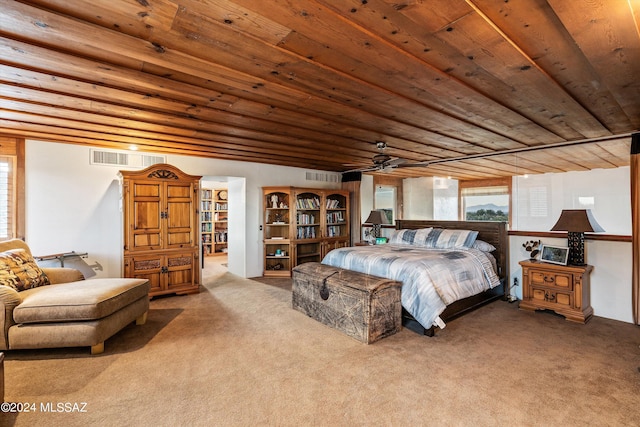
(549, 279)
(549, 297)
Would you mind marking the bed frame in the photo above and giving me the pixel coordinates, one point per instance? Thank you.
(494, 233)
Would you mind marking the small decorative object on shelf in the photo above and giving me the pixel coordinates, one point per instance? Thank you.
(532, 246)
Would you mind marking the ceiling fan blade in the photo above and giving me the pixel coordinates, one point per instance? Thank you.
(415, 165)
(367, 169)
(395, 162)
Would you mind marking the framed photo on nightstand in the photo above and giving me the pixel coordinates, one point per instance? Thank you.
(554, 254)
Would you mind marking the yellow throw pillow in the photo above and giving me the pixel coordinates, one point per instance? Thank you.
(19, 270)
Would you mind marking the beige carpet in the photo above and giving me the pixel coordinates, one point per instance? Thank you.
(237, 355)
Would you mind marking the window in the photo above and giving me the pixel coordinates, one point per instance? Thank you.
(11, 195)
(485, 200)
(7, 199)
(385, 200)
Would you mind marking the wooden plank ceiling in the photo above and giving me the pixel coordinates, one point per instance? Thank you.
(315, 83)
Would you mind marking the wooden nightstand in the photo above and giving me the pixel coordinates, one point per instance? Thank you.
(564, 289)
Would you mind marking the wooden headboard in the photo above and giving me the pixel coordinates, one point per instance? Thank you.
(489, 231)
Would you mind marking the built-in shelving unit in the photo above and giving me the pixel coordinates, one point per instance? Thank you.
(220, 222)
(302, 225)
(214, 221)
(206, 220)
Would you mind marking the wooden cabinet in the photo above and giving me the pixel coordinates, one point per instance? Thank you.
(563, 289)
(160, 217)
(302, 225)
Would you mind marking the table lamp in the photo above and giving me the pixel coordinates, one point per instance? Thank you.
(576, 222)
(376, 218)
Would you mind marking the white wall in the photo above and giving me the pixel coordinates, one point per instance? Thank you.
(72, 205)
(538, 199)
(430, 198)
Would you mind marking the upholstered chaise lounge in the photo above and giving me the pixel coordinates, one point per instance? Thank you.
(61, 309)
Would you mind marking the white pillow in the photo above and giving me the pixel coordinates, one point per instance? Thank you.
(483, 246)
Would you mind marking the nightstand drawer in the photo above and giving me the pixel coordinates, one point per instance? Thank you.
(551, 279)
(552, 299)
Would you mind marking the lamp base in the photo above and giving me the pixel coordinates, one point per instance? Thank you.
(376, 231)
(576, 247)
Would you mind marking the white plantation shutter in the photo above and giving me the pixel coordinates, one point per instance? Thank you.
(7, 197)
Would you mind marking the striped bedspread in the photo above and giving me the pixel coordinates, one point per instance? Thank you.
(431, 278)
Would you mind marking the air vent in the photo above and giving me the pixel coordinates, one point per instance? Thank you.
(123, 158)
(324, 177)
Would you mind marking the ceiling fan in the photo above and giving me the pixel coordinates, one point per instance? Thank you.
(382, 161)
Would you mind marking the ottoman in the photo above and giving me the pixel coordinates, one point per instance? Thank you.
(364, 307)
(77, 314)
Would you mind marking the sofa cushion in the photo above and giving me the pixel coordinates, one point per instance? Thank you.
(84, 300)
(19, 270)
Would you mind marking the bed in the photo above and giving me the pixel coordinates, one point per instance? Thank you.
(440, 280)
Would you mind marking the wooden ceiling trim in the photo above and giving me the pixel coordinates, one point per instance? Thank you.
(497, 54)
(52, 82)
(205, 141)
(463, 34)
(421, 108)
(375, 121)
(410, 35)
(185, 134)
(211, 117)
(321, 80)
(157, 15)
(142, 51)
(115, 77)
(616, 151)
(455, 170)
(54, 133)
(44, 28)
(537, 30)
(607, 32)
(520, 164)
(508, 166)
(357, 41)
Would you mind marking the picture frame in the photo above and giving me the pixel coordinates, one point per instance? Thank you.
(554, 254)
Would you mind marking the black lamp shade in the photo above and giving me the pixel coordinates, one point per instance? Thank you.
(376, 217)
(580, 220)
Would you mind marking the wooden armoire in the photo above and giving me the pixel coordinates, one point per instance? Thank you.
(160, 208)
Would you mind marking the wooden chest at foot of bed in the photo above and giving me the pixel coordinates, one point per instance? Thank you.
(364, 307)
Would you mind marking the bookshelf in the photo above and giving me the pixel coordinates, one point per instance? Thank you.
(220, 222)
(206, 220)
(302, 225)
(214, 218)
